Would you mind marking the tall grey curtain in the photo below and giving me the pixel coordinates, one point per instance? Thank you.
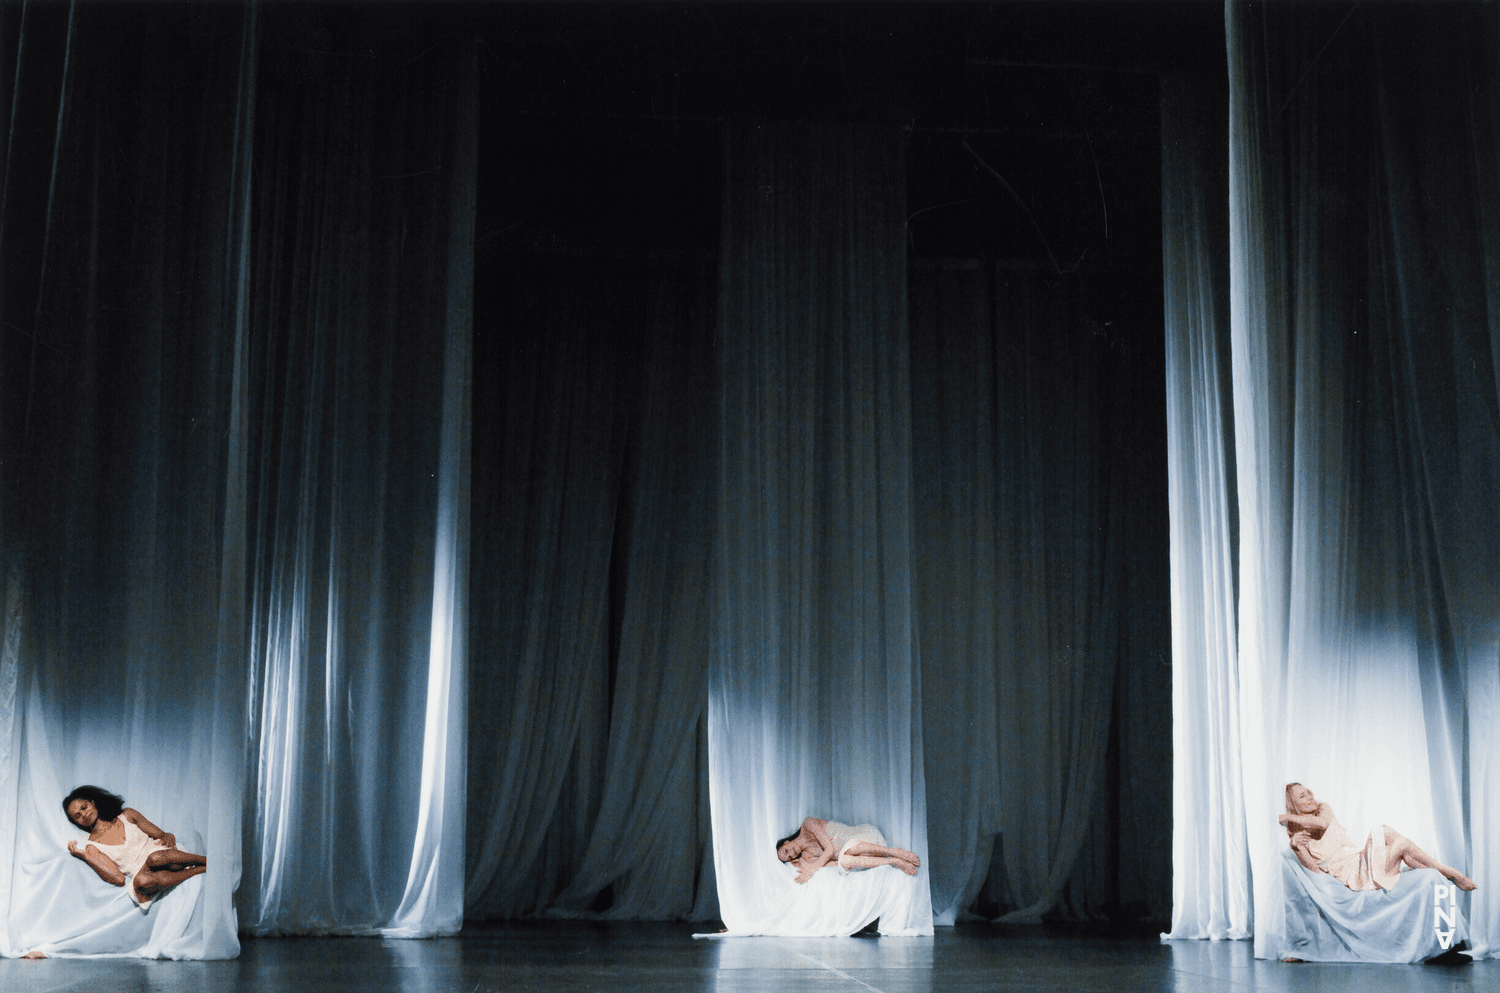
(814, 696)
(122, 483)
(235, 487)
(1210, 863)
(1022, 531)
(590, 576)
(359, 464)
(1366, 436)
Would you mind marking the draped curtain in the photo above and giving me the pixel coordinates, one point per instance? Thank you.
(741, 542)
(123, 484)
(814, 693)
(361, 283)
(1210, 863)
(1365, 442)
(235, 440)
(1023, 527)
(590, 572)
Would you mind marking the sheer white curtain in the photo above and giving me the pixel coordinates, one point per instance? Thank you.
(360, 465)
(1210, 865)
(123, 484)
(236, 437)
(1363, 350)
(814, 704)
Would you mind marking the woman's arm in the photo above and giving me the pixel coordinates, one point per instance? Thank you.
(99, 862)
(1301, 842)
(1314, 823)
(819, 832)
(151, 830)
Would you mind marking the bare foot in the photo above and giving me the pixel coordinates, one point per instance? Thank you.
(1463, 882)
(1290, 959)
(907, 867)
(33, 955)
(911, 857)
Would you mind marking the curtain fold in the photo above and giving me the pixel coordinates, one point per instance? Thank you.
(1210, 867)
(1021, 526)
(814, 694)
(1362, 342)
(363, 267)
(650, 842)
(591, 632)
(123, 480)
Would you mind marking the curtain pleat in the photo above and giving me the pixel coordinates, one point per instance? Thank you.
(650, 840)
(123, 474)
(363, 263)
(814, 679)
(1361, 193)
(1210, 867)
(1022, 569)
(588, 790)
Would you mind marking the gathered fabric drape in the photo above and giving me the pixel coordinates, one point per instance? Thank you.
(1210, 863)
(590, 567)
(359, 462)
(236, 470)
(742, 544)
(814, 695)
(1366, 442)
(1022, 575)
(123, 487)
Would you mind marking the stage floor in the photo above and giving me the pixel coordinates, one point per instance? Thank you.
(664, 958)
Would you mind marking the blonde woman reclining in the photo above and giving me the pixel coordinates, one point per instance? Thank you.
(1322, 846)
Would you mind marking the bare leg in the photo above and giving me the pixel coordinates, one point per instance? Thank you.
(1399, 848)
(150, 882)
(866, 848)
(850, 861)
(171, 858)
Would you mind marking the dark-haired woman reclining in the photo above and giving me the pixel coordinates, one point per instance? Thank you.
(818, 842)
(123, 847)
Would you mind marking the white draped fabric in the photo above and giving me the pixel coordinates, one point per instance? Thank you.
(1364, 349)
(1210, 863)
(814, 698)
(123, 662)
(237, 472)
(360, 516)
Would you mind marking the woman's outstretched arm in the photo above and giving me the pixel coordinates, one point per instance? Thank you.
(99, 862)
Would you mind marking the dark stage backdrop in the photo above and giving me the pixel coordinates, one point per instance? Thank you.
(234, 498)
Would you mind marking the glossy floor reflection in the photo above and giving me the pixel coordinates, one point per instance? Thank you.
(564, 957)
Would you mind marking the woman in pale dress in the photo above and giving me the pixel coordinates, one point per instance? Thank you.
(125, 849)
(819, 841)
(1322, 845)
(122, 843)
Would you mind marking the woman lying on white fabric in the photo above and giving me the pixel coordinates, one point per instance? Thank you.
(1322, 846)
(125, 849)
(818, 841)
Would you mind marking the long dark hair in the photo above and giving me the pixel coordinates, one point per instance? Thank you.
(108, 804)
